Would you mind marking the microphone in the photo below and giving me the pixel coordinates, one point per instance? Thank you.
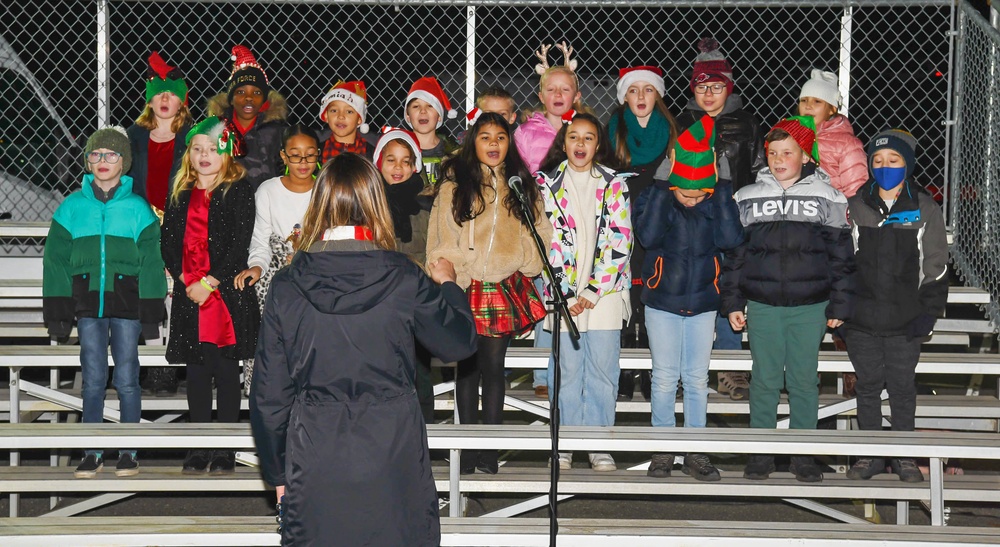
(517, 187)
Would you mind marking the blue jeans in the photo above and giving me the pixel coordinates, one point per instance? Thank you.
(589, 377)
(725, 336)
(543, 339)
(681, 348)
(124, 337)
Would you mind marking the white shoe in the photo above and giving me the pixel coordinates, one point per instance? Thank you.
(565, 460)
(602, 462)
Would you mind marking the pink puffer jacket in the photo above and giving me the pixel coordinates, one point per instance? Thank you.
(533, 138)
(842, 155)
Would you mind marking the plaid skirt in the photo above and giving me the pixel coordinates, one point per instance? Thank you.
(509, 307)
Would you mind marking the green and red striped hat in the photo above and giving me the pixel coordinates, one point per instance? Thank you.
(694, 157)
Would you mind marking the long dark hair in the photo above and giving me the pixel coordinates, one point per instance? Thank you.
(557, 152)
(464, 168)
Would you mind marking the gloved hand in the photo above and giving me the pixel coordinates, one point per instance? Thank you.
(920, 327)
(150, 331)
(60, 331)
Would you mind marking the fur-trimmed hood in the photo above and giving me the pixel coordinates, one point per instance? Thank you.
(218, 105)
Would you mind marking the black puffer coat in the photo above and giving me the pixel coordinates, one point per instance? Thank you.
(902, 259)
(263, 141)
(334, 411)
(797, 249)
(230, 226)
(739, 140)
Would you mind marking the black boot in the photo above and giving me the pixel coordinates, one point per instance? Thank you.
(468, 461)
(223, 462)
(196, 462)
(489, 461)
(626, 385)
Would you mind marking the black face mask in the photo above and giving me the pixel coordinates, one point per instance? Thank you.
(403, 204)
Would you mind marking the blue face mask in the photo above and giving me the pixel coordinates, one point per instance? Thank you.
(889, 177)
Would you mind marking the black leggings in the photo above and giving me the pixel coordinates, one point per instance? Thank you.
(486, 363)
(226, 373)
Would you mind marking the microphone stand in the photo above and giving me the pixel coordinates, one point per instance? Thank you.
(560, 310)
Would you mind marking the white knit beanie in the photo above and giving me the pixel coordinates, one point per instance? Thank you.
(822, 85)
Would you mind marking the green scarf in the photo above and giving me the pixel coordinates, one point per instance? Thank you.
(645, 144)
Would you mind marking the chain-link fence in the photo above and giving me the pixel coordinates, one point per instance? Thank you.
(975, 156)
(69, 65)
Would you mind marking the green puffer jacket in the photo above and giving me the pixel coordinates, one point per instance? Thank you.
(102, 260)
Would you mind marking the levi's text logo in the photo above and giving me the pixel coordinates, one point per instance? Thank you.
(787, 208)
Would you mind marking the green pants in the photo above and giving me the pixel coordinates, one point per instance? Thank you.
(784, 346)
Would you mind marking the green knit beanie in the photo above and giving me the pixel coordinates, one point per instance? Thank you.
(113, 138)
(694, 157)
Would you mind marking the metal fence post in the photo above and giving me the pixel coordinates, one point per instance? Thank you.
(103, 64)
(470, 58)
(844, 76)
(948, 204)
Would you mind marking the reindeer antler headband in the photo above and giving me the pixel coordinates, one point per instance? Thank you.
(543, 55)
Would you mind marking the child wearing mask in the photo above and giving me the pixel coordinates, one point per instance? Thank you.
(901, 250)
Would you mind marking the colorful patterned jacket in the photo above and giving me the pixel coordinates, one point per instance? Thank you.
(614, 233)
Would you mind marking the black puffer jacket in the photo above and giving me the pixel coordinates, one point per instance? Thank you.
(902, 259)
(263, 141)
(739, 140)
(797, 249)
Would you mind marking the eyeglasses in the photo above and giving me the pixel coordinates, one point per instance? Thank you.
(716, 89)
(299, 159)
(110, 157)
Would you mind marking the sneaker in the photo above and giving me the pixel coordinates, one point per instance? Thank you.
(866, 468)
(660, 465)
(735, 384)
(907, 470)
(759, 467)
(700, 467)
(196, 462)
(488, 462)
(805, 469)
(602, 462)
(223, 463)
(128, 465)
(565, 460)
(88, 468)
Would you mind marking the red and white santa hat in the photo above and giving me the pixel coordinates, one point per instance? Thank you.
(389, 134)
(473, 116)
(428, 89)
(352, 93)
(649, 74)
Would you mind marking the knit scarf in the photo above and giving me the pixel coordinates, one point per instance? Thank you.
(645, 144)
(403, 204)
(333, 147)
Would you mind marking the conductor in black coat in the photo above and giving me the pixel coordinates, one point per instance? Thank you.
(333, 406)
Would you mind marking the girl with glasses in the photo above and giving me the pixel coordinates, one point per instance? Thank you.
(281, 204)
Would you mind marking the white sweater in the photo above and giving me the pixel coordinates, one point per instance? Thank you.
(278, 211)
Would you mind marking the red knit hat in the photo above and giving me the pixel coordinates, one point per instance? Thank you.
(711, 65)
(428, 89)
(246, 71)
(803, 130)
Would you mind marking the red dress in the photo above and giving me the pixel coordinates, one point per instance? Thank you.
(215, 324)
(161, 160)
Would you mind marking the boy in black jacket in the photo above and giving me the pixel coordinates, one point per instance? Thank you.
(793, 274)
(901, 252)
